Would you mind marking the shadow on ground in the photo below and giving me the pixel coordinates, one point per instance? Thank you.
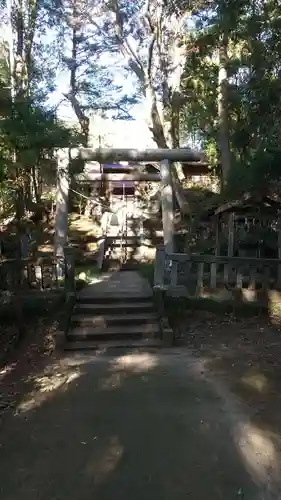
(245, 354)
(131, 424)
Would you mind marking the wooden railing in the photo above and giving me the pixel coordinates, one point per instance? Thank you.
(183, 274)
(21, 278)
(42, 274)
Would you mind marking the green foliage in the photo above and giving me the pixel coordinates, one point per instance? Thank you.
(254, 88)
(29, 134)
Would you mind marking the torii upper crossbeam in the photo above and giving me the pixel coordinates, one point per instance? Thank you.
(104, 155)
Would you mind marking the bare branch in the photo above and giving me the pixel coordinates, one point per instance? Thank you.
(82, 118)
(150, 57)
(127, 51)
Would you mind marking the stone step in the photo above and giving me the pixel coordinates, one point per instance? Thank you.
(149, 330)
(118, 237)
(110, 307)
(126, 246)
(112, 298)
(105, 320)
(111, 344)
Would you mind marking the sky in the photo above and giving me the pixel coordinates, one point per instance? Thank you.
(65, 111)
(57, 99)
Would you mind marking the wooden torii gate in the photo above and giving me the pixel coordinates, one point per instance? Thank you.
(165, 156)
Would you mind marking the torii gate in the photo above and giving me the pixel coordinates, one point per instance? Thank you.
(165, 156)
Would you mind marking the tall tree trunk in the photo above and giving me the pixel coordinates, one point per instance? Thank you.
(28, 189)
(23, 14)
(223, 123)
(19, 202)
(155, 122)
(35, 185)
(72, 95)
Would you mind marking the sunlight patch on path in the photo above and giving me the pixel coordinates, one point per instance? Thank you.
(124, 366)
(105, 463)
(136, 363)
(44, 387)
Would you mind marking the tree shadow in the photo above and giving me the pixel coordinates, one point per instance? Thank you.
(127, 424)
(21, 360)
(244, 353)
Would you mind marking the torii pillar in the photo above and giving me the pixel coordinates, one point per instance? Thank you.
(61, 219)
(167, 201)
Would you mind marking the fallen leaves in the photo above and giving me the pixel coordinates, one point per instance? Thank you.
(17, 375)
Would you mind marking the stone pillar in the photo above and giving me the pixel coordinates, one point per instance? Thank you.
(167, 199)
(61, 219)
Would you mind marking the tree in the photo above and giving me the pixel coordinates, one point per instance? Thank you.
(150, 37)
(91, 83)
(29, 131)
(251, 69)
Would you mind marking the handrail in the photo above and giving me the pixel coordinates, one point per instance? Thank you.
(100, 258)
(28, 260)
(221, 259)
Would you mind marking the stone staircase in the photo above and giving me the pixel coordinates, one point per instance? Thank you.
(121, 249)
(117, 312)
(117, 309)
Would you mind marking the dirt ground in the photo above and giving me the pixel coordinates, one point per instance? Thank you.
(18, 365)
(245, 354)
(148, 424)
(132, 424)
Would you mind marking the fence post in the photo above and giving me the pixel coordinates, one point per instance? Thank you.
(230, 248)
(101, 251)
(279, 250)
(167, 334)
(159, 268)
(17, 296)
(69, 266)
(174, 274)
(69, 283)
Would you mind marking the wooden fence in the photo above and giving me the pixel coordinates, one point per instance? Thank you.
(183, 274)
(29, 274)
(42, 274)
(24, 278)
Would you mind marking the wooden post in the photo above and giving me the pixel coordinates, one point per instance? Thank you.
(101, 253)
(61, 220)
(159, 268)
(230, 247)
(279, 250)
(230, 250)
(214, 267)
(167, 206)
(69, 276)
(69, 272)
(17, 298)
(200, 278)
(24, 245)
(217, 247)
